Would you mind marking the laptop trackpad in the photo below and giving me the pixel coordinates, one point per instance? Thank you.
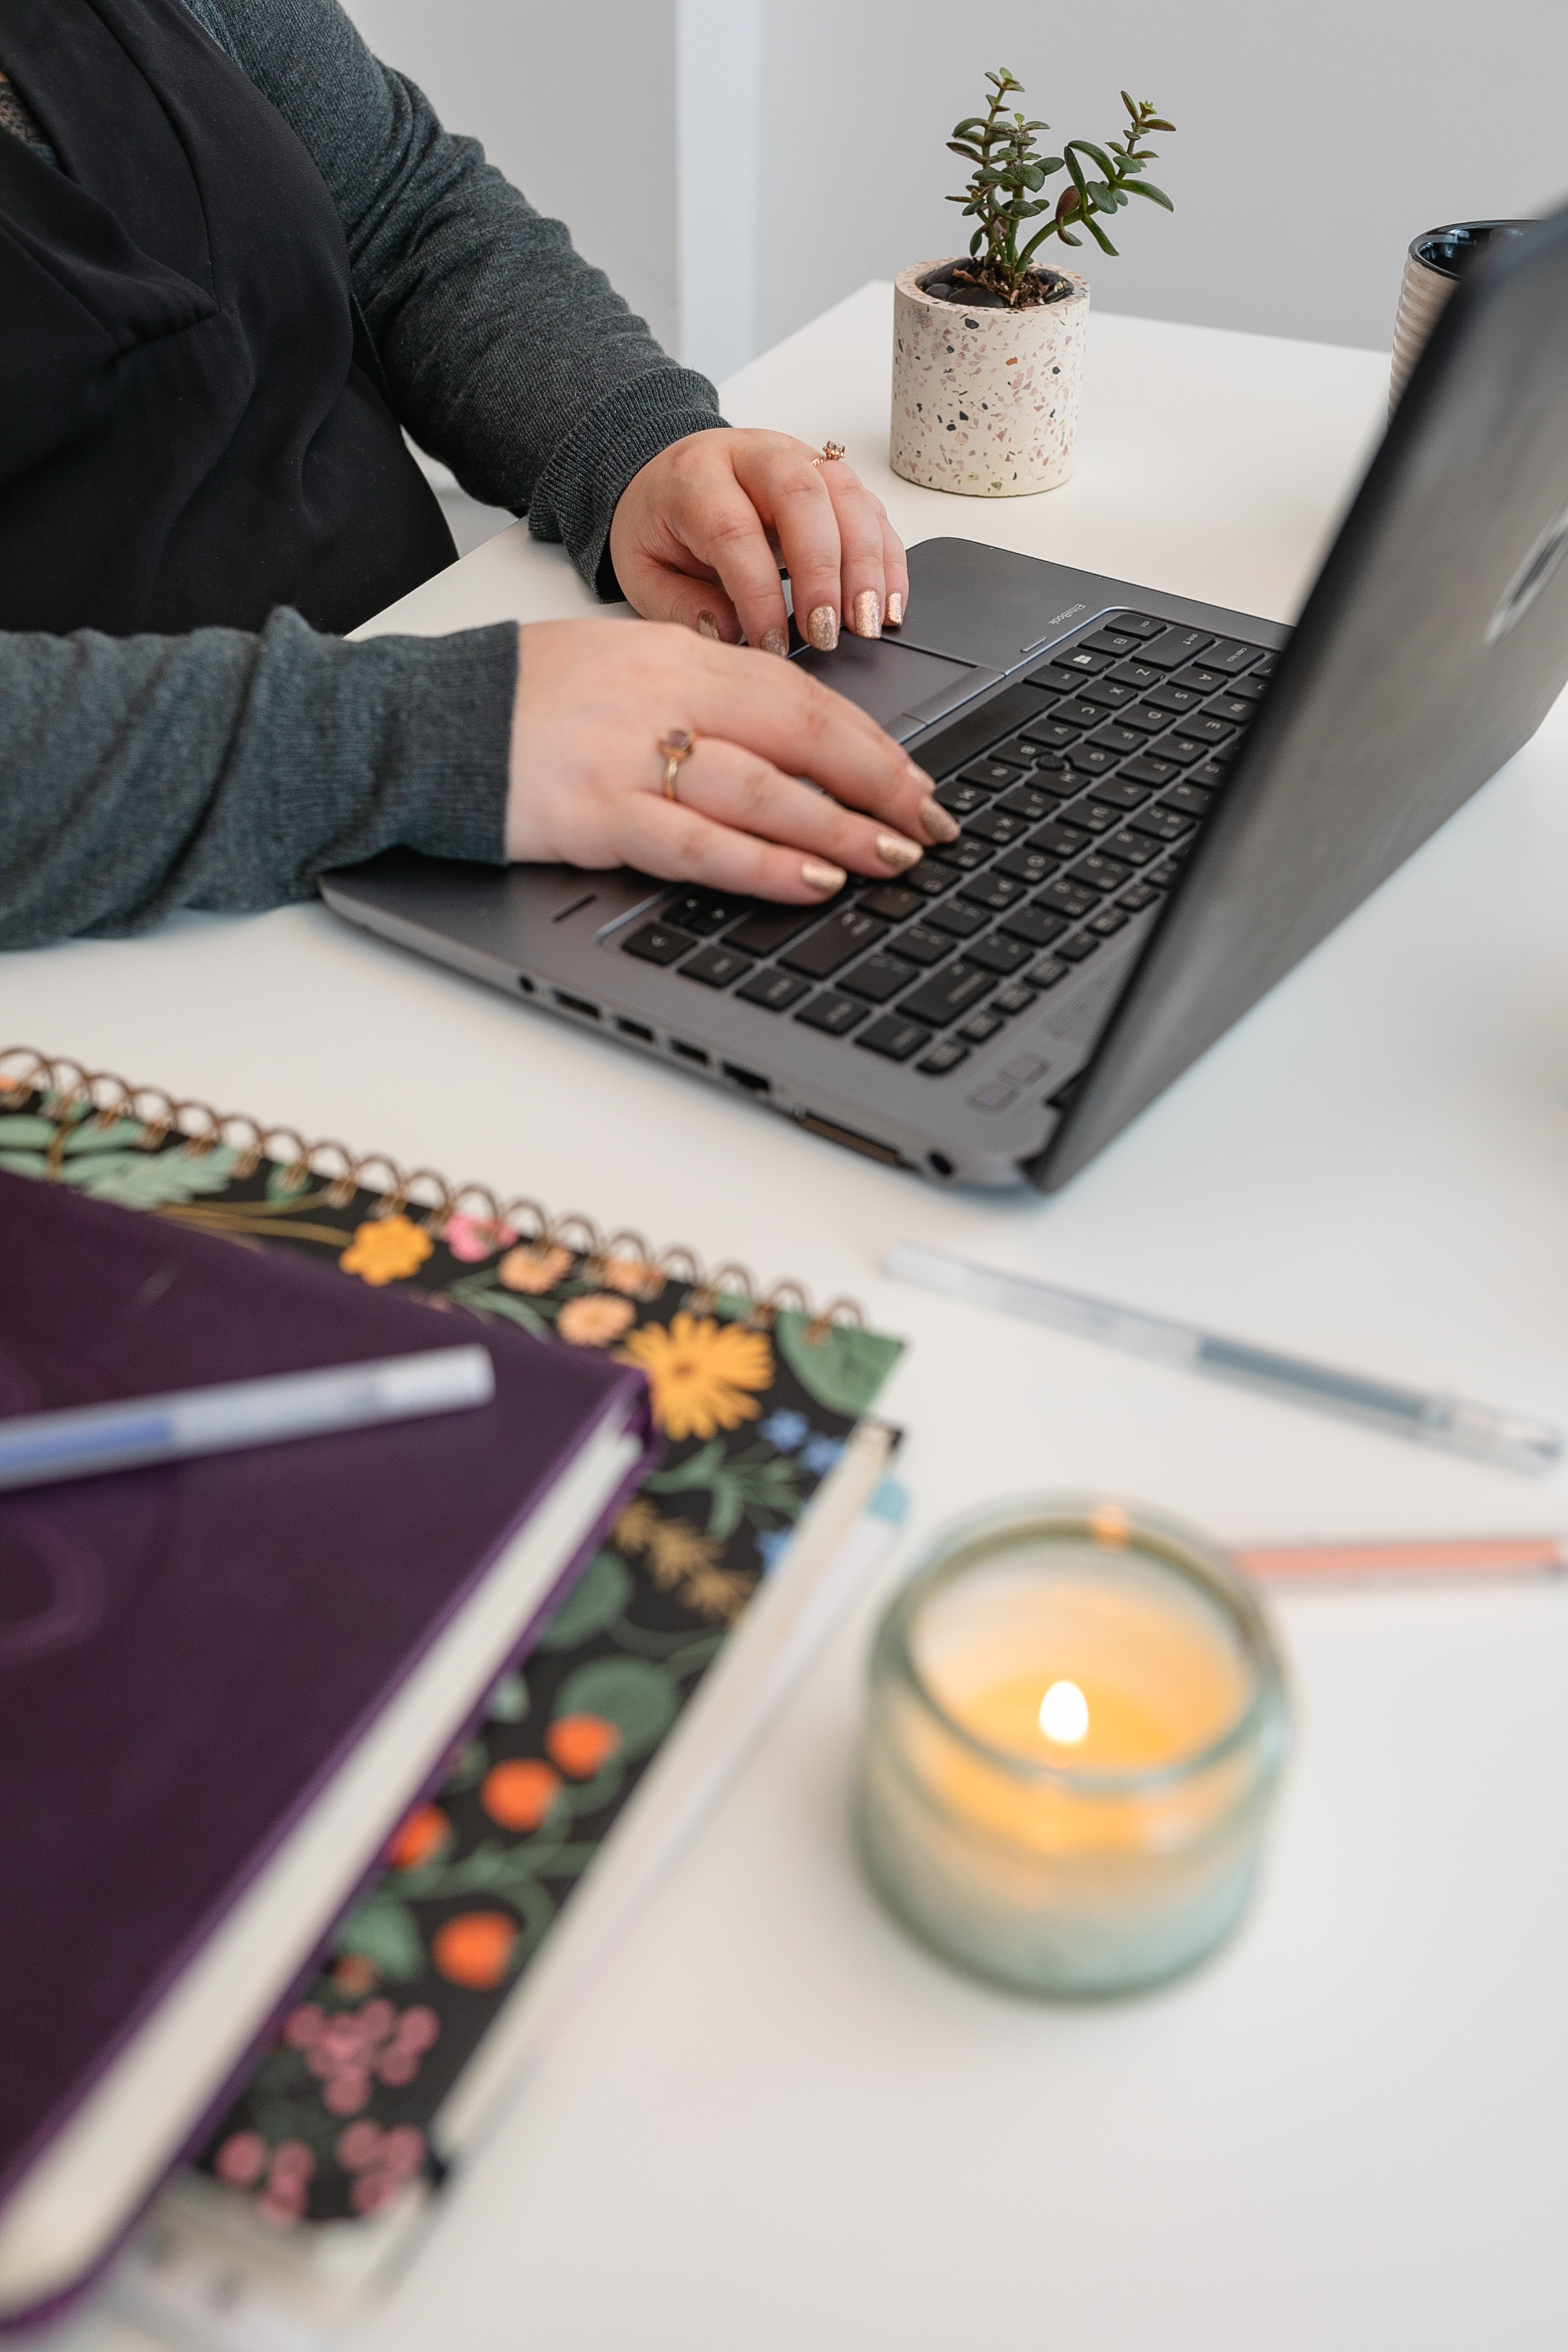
(891, 681)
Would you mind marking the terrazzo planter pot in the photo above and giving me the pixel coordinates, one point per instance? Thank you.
(984, 401)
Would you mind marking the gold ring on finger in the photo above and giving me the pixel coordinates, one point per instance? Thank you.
(831, 452)
(676, 744)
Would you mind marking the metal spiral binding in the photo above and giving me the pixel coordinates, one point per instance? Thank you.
(422, 1193)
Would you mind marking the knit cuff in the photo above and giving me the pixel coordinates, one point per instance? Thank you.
(575, 498)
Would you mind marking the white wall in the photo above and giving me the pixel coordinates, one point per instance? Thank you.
(807, 153)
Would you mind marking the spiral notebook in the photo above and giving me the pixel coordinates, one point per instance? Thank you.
(501, 1892)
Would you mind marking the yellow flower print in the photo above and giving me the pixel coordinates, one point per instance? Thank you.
(534, 1270)
(385, 1249)
(698, 1372)
(595, 1321)
(630, 1275)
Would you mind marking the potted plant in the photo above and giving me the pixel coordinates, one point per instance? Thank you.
(988, 351)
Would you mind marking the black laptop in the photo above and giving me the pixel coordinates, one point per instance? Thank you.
(1163, 805)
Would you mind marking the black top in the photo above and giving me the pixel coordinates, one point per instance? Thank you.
(188, 433)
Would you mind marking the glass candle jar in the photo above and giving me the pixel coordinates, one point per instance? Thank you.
(1076, 1724)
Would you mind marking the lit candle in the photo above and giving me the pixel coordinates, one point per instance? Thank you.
(1077, 1720)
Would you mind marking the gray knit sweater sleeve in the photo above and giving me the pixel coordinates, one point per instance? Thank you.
(227, 771)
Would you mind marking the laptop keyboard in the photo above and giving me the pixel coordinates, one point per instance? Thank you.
(1075, 809)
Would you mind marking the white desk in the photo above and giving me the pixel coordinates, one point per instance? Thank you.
(776, 2125)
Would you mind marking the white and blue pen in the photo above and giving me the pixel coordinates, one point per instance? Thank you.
(1487, 1432)
(38, 1449)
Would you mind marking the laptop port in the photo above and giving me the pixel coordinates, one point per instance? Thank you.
(751, 1080)
(524, 982)
(636, 1029)
(576, 1005)
(865, 1144)
(688, 1052)
(939, 1163)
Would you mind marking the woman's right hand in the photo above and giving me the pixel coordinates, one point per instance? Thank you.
(587, 776)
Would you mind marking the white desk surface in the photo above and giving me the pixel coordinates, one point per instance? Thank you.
(775, 2123)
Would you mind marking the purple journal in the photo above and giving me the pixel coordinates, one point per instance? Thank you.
(222, 1682)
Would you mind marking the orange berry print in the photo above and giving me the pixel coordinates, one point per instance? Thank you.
(581, 1744)
(423, 1833)
(518, 1794)
(473, 1949)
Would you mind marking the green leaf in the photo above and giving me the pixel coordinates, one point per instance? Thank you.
(699, 1469)
(596, 1600)
(1050, 164)
(283, 1183)
(25, 1163)
(1097, 156)
(1155, 196)
(845, 1370)
(1158, 122)
(969, 126)
(22, 1131)
(641, 1700)
(507, 1703)
(115, 1138)
(1099, 234)
(143, 1180)
(382, 1930)
(503, 1303)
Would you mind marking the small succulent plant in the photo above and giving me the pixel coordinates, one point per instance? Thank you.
(1004, 189)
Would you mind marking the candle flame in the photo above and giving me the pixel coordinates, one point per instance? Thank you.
(1064, 1714)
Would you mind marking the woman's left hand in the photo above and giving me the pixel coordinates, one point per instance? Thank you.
(699, 533)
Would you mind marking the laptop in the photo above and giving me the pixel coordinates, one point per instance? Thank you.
(1164, 806)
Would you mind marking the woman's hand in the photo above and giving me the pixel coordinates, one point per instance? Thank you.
(587, 775)
(699, 533)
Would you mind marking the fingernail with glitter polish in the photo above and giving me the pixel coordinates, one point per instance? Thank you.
(822, 628)
(939, 823)
(707, 626)
(895, 609)
(895, 851)
(868, 614)
(776, 641)
(819, 877)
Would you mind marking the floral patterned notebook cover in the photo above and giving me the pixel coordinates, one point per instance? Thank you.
(755, 1400)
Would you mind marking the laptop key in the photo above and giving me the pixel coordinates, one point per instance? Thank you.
(1060, 840)
(995, 890)
(922, 945)
(958, 920)
(1108, 921)
(944, 1055)
(1200, 677)
(1138, 625)
(1208, 778)
(930, 880)
(1228, 654)
(1064, 897)
(946, 995)
(1141, 895)
(768, 928)
(821, 952)
(961, 799)
(1251, 690)
(1147, 770)
(997, 954)
(1078, 714)
(775, 991)
(1114, 793)
(1266, 667)
(1131, 846)
(1083, 658)
(829, 1011)
(889, 902)
(1144, 721)
(1178, 699)
(1051, 734)
(1186, 797)
(1027, 865)
(1231, 708)
(1081, 944)
(1012, 996)
(1028, 800)
(1045, 974)
(1203, 728)
(990, 773)
(893, 1037)
(1112, 641)
(701, 911)
(1050, 680)
(1141, 674)
(1174, 648)
(878, 979)
(1183, 750)
(996, 825)
(966, 854)
(1108, 695)
(1100, 873)
(1116, 737)
(1095, 816)
(1035, 926)
(1162, 876)
(659, 943)
(1162, 823)
(979, 1027)
(716, 967)
(1091, 758)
